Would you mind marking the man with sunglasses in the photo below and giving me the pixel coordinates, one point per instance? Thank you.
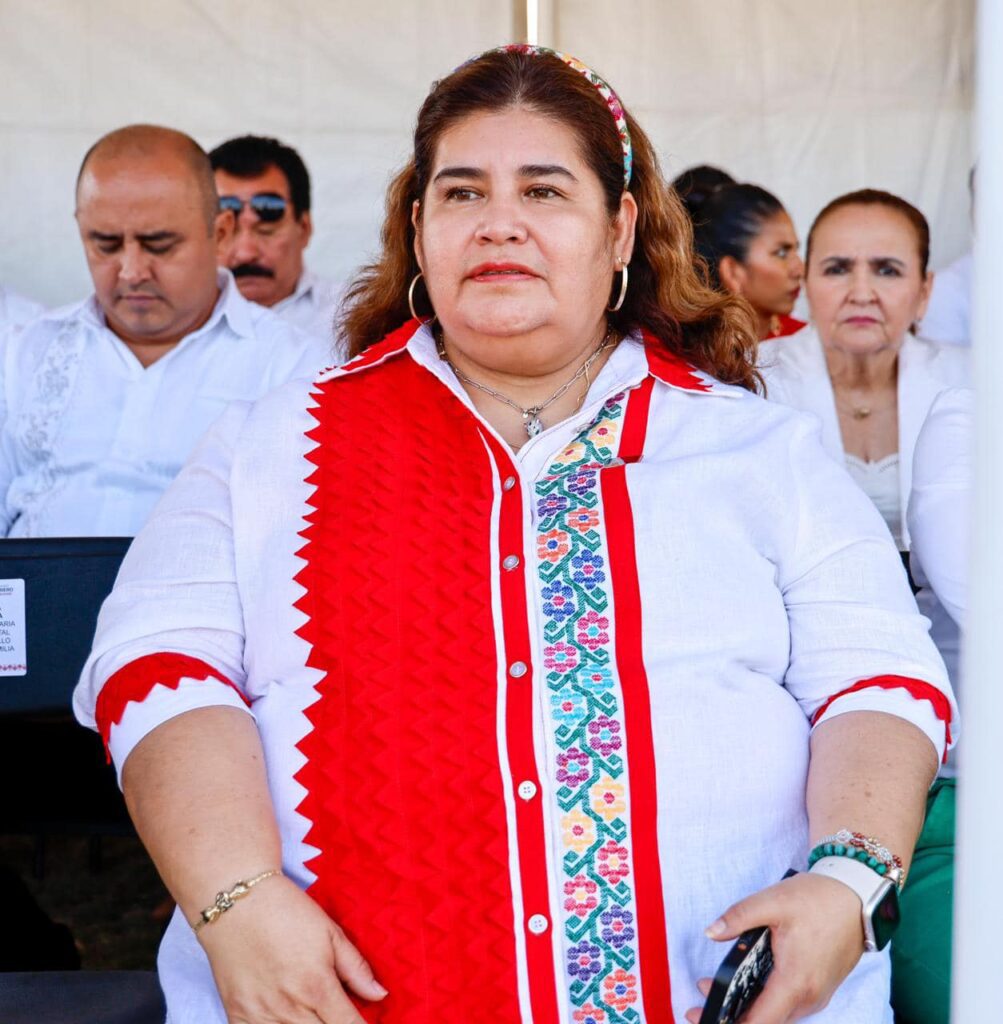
(101, 402)
(267, 187)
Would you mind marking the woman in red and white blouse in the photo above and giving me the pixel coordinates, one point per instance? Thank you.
(531, 643)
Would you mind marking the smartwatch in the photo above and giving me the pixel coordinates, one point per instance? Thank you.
(879, 896)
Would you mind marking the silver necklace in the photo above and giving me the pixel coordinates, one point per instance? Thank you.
(531, 416)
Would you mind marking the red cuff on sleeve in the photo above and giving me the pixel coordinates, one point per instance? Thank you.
(133, 682)
(916, 688)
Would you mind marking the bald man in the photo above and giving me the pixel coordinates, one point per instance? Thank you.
(102, 401)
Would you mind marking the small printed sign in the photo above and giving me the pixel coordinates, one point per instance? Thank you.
(13, 647)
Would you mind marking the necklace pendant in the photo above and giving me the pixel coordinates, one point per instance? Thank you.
(534, 425)
(861, 413)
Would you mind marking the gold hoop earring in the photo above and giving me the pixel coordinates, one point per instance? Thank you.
(623, 287)
(410, 300)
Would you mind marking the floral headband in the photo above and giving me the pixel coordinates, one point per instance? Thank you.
(602, 86)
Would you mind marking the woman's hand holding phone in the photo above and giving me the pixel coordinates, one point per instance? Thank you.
(817, 939)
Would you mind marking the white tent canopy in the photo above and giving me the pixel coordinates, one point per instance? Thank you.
(807, 98)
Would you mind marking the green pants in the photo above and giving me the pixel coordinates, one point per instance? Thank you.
(921, 947)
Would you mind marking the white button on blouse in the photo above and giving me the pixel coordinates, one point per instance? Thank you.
(527, 790)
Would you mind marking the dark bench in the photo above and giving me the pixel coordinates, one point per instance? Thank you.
(57, 778)
(81, 997)
(64, 785)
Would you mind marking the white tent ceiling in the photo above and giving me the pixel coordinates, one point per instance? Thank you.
(806, 98)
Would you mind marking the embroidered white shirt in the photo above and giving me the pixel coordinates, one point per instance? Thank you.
(90, 439)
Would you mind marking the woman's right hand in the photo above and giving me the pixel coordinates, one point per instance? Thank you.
(277, 957)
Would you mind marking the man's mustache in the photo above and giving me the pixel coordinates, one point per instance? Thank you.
(251, 270)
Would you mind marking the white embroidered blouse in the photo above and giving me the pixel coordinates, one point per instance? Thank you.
(531, 721)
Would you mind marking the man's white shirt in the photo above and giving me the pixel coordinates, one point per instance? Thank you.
(313, 306)
(16, 310)
(89, 438)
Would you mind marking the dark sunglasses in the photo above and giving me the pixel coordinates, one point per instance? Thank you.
(268, 206)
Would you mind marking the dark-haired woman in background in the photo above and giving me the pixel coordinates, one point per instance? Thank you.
(751, 248)
(695, 184)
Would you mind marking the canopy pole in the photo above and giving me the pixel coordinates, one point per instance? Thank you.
(978, 905)
(541, 23)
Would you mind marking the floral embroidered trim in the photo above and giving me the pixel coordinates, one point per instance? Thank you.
(586, 710)
(38, 426)
(602, 87)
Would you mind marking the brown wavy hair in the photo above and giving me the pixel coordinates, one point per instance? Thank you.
(668, 294)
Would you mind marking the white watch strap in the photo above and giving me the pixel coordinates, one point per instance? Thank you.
(864, 881)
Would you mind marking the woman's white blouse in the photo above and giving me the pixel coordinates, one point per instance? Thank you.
(879, 480)
(796, 375)
(941, 503)
(531, 722)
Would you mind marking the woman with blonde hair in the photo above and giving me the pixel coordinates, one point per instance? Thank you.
(541, 617)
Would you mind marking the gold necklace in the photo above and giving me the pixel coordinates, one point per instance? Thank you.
(863, 412)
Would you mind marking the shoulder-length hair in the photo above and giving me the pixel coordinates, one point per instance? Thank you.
(668, 296)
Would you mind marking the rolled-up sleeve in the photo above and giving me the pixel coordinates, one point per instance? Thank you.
(170, 636)
(858, 642)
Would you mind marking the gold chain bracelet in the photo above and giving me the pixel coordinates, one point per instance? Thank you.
(225, 900)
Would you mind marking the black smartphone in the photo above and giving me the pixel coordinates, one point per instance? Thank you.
(741, 976)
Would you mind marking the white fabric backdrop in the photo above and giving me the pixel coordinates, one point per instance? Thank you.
(806, 98)
(338, 79)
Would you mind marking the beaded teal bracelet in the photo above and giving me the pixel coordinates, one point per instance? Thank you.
(857, 846)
